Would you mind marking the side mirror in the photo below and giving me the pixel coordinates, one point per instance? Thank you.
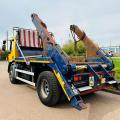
(4, 42)
(4, 47)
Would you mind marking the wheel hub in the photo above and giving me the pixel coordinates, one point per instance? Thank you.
(11, 75)
(44, 88)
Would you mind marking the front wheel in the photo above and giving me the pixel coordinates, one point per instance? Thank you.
(48, 88)
(12, 78)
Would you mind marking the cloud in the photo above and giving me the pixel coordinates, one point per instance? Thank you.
(99, 18)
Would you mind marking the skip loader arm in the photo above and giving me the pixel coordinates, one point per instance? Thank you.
(92, 50)
(62, 67)
(42, 29)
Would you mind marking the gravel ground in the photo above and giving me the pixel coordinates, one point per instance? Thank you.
(20, 102)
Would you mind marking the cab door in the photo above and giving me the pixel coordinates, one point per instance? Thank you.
(13, 51)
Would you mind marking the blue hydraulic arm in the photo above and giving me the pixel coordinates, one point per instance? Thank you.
(106, 59)
(61, 61)
(50, 48)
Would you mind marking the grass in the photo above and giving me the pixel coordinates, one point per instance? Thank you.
(117, 67)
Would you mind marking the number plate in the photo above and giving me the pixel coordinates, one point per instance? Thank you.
(91, 81)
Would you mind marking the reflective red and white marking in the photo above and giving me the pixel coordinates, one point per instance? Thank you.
(29, 38)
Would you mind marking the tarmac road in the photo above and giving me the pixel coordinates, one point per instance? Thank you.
(20, 102)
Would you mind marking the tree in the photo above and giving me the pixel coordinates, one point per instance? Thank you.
(3, 55)
(69, 48)
(0, 51)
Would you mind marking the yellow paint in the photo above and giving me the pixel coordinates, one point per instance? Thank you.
(14, 52)
(33, 61)
(61, 83)
(39, 61)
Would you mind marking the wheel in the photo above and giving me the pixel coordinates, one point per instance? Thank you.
(12, 78)
(48, 88)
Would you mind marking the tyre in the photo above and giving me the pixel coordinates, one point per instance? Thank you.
(12, 78)
(48, 88)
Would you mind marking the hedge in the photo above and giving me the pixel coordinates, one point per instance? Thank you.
(69, 48)
(4, 55)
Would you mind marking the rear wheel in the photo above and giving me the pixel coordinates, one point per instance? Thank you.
(48, 88)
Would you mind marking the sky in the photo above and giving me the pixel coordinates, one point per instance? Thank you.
(100, 19)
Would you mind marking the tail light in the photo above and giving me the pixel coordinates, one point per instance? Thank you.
(77, 78)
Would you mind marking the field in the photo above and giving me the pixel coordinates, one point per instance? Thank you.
(117, 67)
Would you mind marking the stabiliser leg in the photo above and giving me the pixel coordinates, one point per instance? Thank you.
(117, 86)
(71, 92)
(78, 104)
(115, 91)
(75, 98)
